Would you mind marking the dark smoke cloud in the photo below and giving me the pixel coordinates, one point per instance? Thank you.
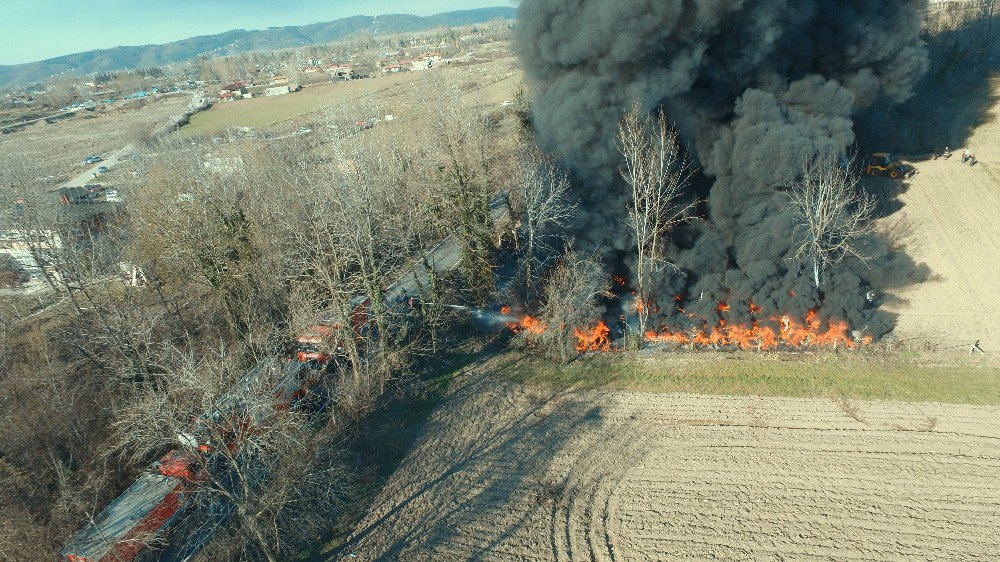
(756, 88)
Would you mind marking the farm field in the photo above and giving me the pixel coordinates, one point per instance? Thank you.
(951, 220)
(508, 472)
(55, 152)
(401, 95)
(266, 112)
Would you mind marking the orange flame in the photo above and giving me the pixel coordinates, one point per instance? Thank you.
(595, 339)
(780, 331)
(533, 325)
(527, 324)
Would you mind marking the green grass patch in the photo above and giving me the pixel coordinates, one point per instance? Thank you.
(257, 113)
(827, 375)
(264, 112)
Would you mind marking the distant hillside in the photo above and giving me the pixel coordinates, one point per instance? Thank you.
(236, 41)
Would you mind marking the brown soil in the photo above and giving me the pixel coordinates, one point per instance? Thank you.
(508, 473)
(951, 222)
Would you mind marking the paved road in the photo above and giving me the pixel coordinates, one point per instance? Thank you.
(110, 161)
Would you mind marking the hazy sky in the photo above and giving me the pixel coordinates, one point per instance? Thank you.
(40, 29)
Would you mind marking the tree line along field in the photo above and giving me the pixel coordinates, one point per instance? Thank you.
(233, 235)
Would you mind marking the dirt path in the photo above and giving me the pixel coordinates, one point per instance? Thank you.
(953, 215)
(503, 473)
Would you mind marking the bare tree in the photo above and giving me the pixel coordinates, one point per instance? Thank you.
(834, 215)
(571, 294)
(466, 177)
(254, 457)
(657, 173)
(544, 193)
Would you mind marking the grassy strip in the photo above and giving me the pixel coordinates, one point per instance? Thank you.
(824, 375)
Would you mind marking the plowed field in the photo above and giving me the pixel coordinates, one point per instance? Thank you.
(508, 473)
(951, 216)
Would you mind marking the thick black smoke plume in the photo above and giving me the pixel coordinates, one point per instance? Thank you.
(756, 88)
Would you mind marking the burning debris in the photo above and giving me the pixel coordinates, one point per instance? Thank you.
(756, 88)
(594, 339)
(763, 333)
(528, 324)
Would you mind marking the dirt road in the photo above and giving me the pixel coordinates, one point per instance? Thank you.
(952, 215)
(504, 473)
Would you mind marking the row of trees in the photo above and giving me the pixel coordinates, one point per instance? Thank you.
(834, 215)
(834, 219)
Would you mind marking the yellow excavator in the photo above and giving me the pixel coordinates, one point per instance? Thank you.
(883, 164)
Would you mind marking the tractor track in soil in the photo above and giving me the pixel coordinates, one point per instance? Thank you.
(506, 473)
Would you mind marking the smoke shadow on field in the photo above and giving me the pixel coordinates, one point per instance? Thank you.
(949, 102)
(886, 193)
(478, 476)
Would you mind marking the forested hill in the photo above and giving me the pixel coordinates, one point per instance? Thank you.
(237, 41)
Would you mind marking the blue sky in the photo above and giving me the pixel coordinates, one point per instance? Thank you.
(40, 29)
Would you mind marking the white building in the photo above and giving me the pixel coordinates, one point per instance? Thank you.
(277, 91)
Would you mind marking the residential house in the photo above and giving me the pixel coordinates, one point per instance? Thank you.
(236, 90)
(339, 72)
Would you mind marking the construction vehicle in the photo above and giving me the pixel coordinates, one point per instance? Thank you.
(322, 340)
(882, 164)
(149, 510)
